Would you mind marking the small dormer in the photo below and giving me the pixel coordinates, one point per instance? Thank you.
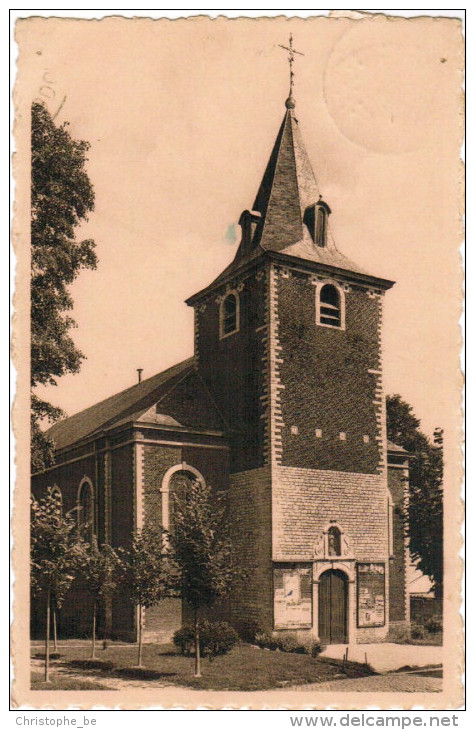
(316, 220)
(248, 221)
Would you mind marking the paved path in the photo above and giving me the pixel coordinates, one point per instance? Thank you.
(386, 657)
(377, 683)
(116, 683)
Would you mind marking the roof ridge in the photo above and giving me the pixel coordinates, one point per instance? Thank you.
(91, 419)
(271, 188)
(293, 119)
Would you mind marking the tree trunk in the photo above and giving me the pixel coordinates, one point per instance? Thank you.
(140, 634)
(197, 647)
(48, 619)
(94, 611)
(55, 631)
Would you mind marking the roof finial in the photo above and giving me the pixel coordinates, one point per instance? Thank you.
(290, 102)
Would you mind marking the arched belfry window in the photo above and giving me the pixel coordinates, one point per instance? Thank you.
(334, 542)
(229, 315)
(86, 510)
(330, 306)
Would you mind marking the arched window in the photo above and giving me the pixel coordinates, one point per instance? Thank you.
(86, 510)
(180, 485)
(330, 306)
(229, 315)
(334, 542)
(176, 485)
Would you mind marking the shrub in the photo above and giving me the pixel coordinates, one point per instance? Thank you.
(311, 646)
(434, 624)
(289, 642)
(266, 640)
(417, 631)
(216, 638)
(184, 639)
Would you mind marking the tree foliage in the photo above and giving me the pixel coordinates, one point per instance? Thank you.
(61, 198)
(203, 551)
(150, 573)
(55, 554)
(100, 570)
(424, 516)
(54, 546)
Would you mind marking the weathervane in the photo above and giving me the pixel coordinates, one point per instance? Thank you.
(291, 50)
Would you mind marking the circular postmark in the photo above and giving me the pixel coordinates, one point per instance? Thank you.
(381, 94)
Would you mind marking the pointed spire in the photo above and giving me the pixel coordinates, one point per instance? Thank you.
(287, 188)
(288, 216)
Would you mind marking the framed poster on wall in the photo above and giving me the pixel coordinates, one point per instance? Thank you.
(371, 594)
(293, 597)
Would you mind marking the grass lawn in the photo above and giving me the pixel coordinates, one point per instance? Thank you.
(244, 668)
(37, 682)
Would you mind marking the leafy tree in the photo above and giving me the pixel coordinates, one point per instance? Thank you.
(55, 553)
(150, 574)
(100, 570)
(424, 516)
(203, 552)
(61, 197)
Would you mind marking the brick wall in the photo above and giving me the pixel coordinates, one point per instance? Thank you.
(330, 378)
(397, 483)
(250, 507)
(67, 477)
(305, 500)
(232, 367)
(163, 620)
(75, 617)
(122, 495)
(190, 405)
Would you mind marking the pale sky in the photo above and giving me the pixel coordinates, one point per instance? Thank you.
(182, 116)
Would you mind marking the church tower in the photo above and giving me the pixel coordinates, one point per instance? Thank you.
(288, 342)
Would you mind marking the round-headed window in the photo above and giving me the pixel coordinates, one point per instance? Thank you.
(330, 308)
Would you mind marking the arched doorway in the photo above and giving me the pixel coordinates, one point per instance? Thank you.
(333, 607)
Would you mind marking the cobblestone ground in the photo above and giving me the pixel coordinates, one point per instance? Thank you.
(378, 683)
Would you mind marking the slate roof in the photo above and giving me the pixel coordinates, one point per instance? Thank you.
(175, 397)
(288, 187)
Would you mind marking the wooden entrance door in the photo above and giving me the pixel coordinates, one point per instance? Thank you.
(333, 607)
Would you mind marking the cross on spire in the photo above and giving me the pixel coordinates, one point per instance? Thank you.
(291, 51)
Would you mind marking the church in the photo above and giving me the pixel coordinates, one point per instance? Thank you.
(281, 407)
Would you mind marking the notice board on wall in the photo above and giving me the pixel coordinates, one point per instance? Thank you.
(371, 589)
(293, 597)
